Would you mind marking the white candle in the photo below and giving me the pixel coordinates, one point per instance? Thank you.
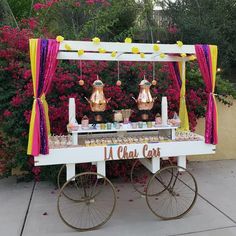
(164, 111)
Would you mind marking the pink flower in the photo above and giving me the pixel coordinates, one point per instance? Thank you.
(27, 115)
(39, 6)
(173, 29)
(27, 74)
(77, 4)
(16, 101)
(7, 113)
(32, 23)
(90, 2)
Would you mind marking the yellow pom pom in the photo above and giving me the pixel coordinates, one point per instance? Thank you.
(96, 40)
(102, 50)
(162, 55)
(128, 40)
(156, 47)
(135, 50)
(142, 55)
(113, 54)
(192, 58)
(80, 52)
(59, 38)
(67, 47)
(183, 55)
(179, 43)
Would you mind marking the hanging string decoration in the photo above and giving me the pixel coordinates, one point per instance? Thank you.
(81, 81)
(118, 82)
(154, 82)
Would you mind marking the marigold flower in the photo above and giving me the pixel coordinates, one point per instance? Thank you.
(102, 50)
(192, 58)
(183, 54)
(113, 54)
(135, 50)
(80, 52)
(179, 43)
(96, 40)
(156, 47)
(59, 38)
(67, 47)
(162, 55)
(128, 40)
(142, 55)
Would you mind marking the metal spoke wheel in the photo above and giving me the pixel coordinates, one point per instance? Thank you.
(140, 177)
(61, 177)
(91, 203)
(171, 192)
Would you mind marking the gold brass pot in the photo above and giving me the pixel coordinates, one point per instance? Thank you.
(144, 101)
(97, 100)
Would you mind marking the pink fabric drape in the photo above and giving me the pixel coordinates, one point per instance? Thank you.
(207, 60)
(43, 64)
(51, 63)
(175, 74)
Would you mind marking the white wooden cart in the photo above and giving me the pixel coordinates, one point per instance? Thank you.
(87, 200)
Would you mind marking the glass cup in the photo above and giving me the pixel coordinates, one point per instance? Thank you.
(149, 124)
(140, 124)
(108, 125)
(102, 126)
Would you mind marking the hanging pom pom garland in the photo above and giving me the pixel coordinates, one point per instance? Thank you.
(118, 82)
(154, 82)
(81, 81)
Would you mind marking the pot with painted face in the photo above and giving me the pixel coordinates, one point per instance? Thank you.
(97, 100)
(145, 101)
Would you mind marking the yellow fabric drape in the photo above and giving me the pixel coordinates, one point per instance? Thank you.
(33, 43)
(183, 113)
(214, 52)
(214, 56)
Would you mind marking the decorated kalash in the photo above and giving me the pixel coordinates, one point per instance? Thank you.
(87, 199)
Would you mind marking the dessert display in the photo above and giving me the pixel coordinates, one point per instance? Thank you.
(186, 136)
(122, 140)
(60, 141)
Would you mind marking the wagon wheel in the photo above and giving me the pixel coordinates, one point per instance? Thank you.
(175, 198)
(95, 201)
(61, 180)
(140, 177)
(61, 177)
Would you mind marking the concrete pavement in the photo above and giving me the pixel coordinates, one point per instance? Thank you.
(213, 214)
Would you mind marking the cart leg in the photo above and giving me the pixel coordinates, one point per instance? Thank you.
(101, 168)
(181, 161)
(152, 165)
(70, 171)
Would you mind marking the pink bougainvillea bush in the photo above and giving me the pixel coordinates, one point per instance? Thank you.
(16, 95)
